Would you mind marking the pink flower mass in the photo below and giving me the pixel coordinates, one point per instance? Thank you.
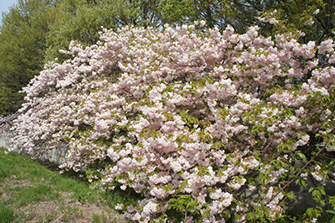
(180, 111)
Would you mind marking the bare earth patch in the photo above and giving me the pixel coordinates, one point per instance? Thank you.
(69, 210)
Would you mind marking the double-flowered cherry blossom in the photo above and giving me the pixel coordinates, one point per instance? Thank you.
(182, 111)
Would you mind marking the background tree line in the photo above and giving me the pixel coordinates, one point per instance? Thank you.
(33, 31)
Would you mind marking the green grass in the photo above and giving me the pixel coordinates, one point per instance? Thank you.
(23, 168)
(6, 214)
(32, 182)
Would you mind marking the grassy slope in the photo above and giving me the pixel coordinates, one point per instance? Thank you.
(28, 188)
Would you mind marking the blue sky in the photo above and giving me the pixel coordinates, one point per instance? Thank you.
(5, 4)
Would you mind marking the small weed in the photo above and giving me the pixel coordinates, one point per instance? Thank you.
(96, 218)
(101, 218)
(65, 217)
(76, 211)
(68, 211)
(49, 217)
(40, 219)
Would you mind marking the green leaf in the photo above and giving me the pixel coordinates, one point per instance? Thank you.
(301, 156)
(311, 189)
(183, 184)
(330, 211)
(301, 182)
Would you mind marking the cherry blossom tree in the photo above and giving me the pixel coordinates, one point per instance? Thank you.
(206, 126)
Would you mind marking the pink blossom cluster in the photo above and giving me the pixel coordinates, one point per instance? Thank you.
(269, 18)
(181, 111)
(6, 123)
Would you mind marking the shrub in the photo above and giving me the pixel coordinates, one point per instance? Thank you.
(205, 126)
